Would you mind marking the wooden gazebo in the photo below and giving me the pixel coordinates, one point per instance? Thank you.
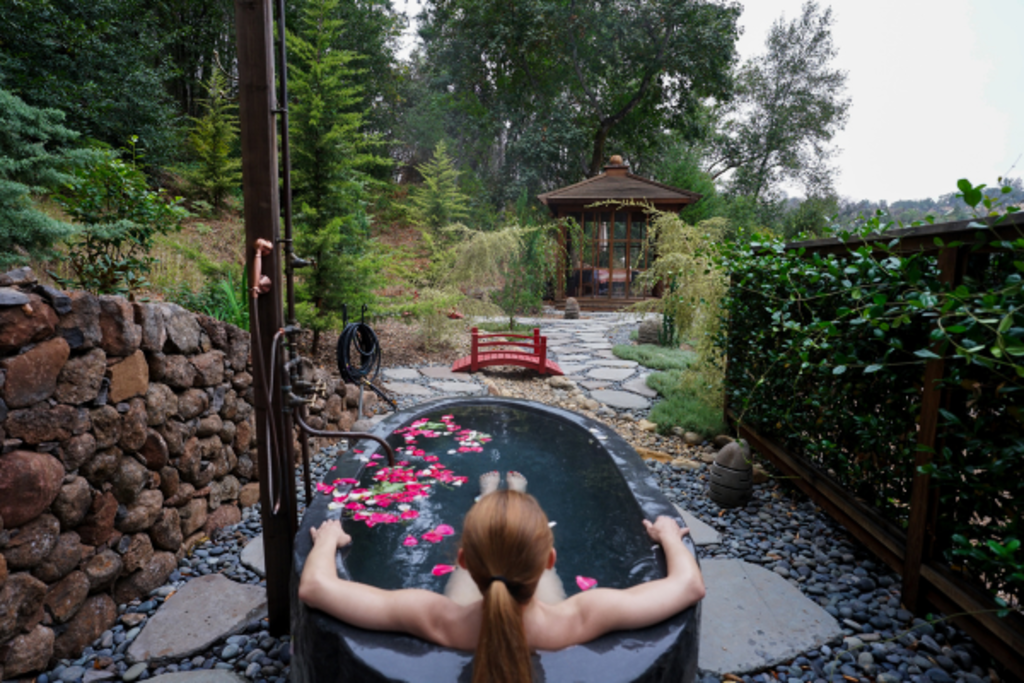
(603, 266)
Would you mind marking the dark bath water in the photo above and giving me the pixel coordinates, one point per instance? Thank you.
(569, 473)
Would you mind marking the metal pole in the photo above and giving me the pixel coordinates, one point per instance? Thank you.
(262, 210)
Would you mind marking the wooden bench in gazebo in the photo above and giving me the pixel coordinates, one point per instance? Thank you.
(536, 358)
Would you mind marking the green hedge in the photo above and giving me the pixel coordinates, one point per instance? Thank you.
(827, 356)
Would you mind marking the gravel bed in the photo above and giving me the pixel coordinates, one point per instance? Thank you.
(784, 532)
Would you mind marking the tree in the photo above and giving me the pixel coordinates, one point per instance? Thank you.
(438, 202)
(549, 86)
(34, 158)
(100, 62)
(196, 31)
(512, 263)
(120, 218)
(788, 106)
(331, 224)
(213, 139)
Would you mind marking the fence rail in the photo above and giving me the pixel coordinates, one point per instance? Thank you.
(928, 581)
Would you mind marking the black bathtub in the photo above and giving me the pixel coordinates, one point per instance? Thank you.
(591, 483)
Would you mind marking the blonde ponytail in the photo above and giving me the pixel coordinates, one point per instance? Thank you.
(502, 654)
(506, 542)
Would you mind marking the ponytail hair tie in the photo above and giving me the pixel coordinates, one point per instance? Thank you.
(501, 578)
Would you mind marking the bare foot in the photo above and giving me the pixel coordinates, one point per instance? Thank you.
(515, 481)
(489, 482)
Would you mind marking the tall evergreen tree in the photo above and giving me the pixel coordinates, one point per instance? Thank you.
(213, 139)
(328, 150)
(438, 201)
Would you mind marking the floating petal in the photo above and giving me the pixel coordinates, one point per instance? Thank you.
(585, 583)
(442, 569)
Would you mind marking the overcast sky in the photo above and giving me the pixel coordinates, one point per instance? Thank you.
(937, 90)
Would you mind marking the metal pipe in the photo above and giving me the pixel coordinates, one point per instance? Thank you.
(286, 163)
(354, 436)
(306, 474)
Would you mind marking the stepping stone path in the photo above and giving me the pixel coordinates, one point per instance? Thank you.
(456, 387)
(701, 532)
(621, 399)
(253, 558)
(205, 610)
(611, 374)
(753, 618)
(210, 676)
(639, 386)
(407, 388)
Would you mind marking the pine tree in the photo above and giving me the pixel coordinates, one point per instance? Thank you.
(438, 202)
(328, 150)
(213, 140)
(33, 159)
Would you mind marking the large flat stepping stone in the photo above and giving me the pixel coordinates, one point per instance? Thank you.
(596, 346)
(203, 676)
(573, 358)
(572, 368)
(605, 354)
(753, 618)
(592, 384)
(591, 337)
(559, 350)
(402, 373)
(637, 386)
(610, 374)
(407, 389)
(442, 372)
(701, 532)
(620, 399)
(253, 558)
(616, 363)
(204, 611)
(456, 387)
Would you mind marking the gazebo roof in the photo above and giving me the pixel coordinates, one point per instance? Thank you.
(618, 183)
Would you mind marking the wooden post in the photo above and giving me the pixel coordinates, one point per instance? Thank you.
(253, 24)
(540, 347)
(474, 357)
(924, 498)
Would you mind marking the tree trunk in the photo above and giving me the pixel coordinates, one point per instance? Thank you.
(597, 158)
(316, 343)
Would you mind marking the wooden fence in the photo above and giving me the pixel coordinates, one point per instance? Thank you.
(928, 580)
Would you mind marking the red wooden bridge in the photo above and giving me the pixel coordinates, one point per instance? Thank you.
(536, 358)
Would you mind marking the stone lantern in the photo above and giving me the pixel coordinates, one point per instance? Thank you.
(732, 475)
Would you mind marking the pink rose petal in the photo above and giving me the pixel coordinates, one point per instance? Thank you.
(430, 458)
(585, 583)
(432, 536)
(410, 540)
(445, 530)
(442, 569)
(410, 514)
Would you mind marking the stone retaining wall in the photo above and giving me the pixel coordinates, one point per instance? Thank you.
(128, 434)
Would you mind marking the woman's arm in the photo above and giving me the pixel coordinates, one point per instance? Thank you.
(421, 613)
(599, 611)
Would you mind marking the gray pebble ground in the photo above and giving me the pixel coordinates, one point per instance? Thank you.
(778, 529)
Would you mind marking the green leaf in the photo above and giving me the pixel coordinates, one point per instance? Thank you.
(839, 369)
(1005, 323)
(925, 353)
(872, 368)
